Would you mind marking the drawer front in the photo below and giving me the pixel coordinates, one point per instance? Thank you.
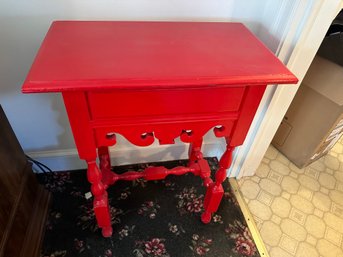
(122, 103)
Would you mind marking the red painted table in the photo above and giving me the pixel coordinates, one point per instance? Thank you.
(154, 80)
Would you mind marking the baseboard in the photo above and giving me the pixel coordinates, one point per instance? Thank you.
(67, 159)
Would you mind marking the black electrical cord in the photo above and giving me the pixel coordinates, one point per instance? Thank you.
(42, 167)
(48, 174)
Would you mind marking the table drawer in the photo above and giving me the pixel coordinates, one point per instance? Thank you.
(126, 103)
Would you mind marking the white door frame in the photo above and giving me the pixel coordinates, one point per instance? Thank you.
(308, 26)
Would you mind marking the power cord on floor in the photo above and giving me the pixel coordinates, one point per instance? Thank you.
(41, 169)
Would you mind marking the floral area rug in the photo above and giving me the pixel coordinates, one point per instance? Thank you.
(149, 218)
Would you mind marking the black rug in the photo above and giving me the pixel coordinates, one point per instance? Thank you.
(154, 218)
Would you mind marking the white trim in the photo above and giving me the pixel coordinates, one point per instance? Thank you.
(309, 25)
(241, 153)
(68, 159)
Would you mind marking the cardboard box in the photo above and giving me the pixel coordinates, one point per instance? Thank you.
(314, 121)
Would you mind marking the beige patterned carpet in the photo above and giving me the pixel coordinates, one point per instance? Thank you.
(299, 212)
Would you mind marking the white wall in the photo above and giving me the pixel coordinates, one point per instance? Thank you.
(40, 121)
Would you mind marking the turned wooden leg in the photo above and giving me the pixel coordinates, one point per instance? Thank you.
(100, 203)
(215, 191)
(195, 155)
(105, 165)
(194, 151)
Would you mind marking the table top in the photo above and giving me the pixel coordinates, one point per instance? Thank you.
(92, 55)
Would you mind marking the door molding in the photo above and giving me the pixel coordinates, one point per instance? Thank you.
(309, 21)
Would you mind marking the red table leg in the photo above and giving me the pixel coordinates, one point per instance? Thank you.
(215, 190)
(100, 203)
(195, 155)
(105, 165)
(194, 151)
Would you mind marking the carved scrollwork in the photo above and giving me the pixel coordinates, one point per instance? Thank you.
(186, 135)
(147, 138)
(111, 136)
(144, 135)
(219, 131)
